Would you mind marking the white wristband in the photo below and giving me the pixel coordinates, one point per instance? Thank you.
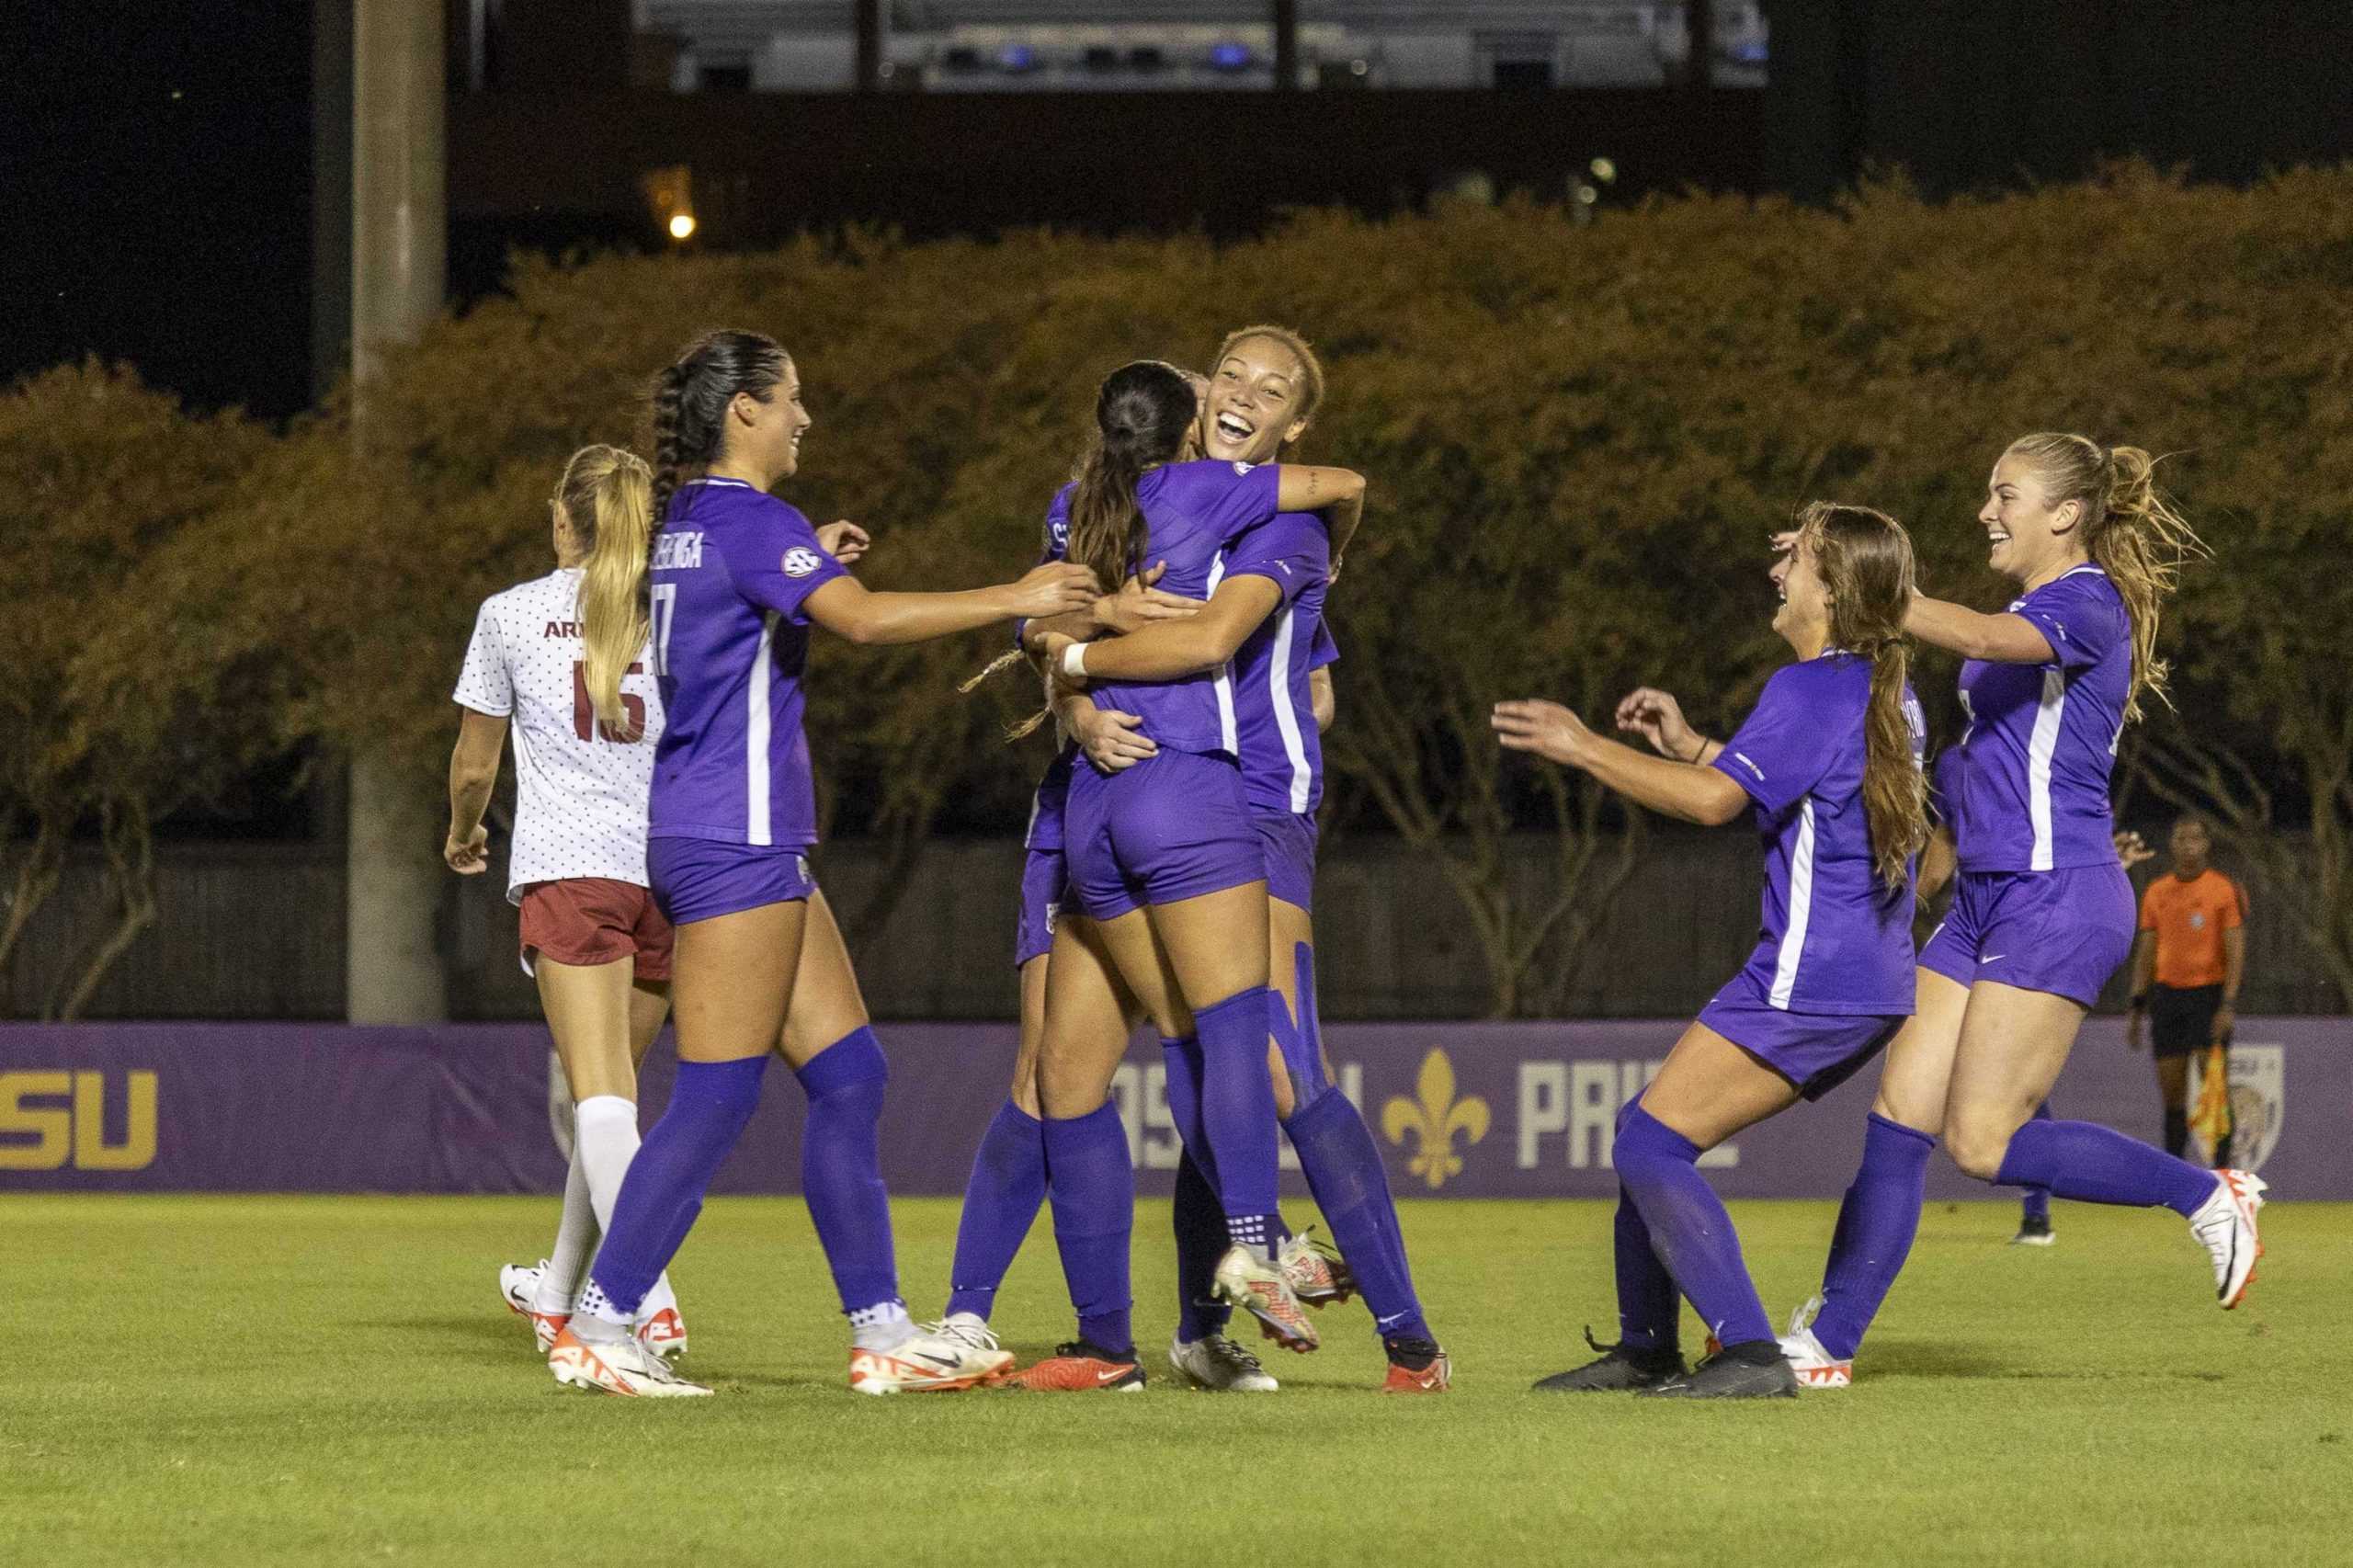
(1075, 661)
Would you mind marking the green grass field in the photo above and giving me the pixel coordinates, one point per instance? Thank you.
(334, 1381)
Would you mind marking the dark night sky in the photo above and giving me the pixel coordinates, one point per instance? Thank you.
(164, 204)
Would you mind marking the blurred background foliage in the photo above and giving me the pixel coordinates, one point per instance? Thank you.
(1578, 437)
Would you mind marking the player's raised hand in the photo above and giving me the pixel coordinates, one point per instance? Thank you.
(845, 541)
(1112, 741)
(469, 856)
(1657, 717)
(1138, 603)
(1548, 730)
(1056, 588)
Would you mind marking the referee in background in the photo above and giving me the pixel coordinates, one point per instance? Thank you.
(2189, 962)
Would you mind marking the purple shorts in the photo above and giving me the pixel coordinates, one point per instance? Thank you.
(1044, 886)
(1815, 1051)
(701, 879)
(1174, 826)
(2063, 932)
(1287, 841)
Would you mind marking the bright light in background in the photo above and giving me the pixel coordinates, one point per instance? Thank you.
(1603, 170)
(682, 225)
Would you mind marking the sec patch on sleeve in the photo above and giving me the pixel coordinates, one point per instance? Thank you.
(799, 561)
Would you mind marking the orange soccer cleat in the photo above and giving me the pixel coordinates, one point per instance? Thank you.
(1417, 1366)
(1078, 1367)
(663, 1333)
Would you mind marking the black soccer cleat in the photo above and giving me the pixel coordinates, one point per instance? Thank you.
(1752, 1371)
(1620, 1370)
(2034, 1231)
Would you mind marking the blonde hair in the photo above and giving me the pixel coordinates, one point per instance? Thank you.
(2131, 530)
(608, 497)
(1865, 560)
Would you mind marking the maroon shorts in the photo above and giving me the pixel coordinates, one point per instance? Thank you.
(585, 921)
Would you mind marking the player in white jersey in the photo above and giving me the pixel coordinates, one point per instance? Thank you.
(592, 937)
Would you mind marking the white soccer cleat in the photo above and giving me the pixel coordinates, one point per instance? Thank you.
(1261, 1289)
(1216, 1363)
(2224, 1225)
(663, 1333)
(959, 1352)
(520, 1287)
(617, 1366)
(1815, 1368)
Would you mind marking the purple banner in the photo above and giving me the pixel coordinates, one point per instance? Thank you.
(1464, 1110)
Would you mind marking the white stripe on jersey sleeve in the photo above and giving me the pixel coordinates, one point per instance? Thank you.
(1785, 966)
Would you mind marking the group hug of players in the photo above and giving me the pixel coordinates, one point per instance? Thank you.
(652, 687)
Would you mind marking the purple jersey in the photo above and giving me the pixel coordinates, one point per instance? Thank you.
(1046, 809)
(2030, 792)
(1194, 512)
(731, 567)
(1835, 938)
(1264, 689)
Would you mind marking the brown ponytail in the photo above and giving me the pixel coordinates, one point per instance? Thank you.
(606, 496)
(1865, 560)
(2131, 530)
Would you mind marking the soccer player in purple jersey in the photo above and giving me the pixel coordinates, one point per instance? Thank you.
(1009, 1182)
(1164, 862)
(1829, 760)
(2043, 911)
(1263, 638)
(736, 579)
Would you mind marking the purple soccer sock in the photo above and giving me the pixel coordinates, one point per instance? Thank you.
(1001, 1200)
(841, 1167)
(1659, 1169)
(672, 1168)
(2035, 1207)
(2092, 1164)
(1093, 1188)
(1301, 1043)
(1199, 1225)
(1238, 1113)
(1344, 1171)
(1650, 1309)
(1877, 1221)
(1194, 1212)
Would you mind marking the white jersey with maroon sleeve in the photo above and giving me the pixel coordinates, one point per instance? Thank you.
(580, 789)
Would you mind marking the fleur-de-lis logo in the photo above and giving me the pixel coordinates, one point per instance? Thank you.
(1436, 1119)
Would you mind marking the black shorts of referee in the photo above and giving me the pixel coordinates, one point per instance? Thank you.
(2181, 1019)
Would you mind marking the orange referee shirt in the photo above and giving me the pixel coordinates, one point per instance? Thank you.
(2190, 918)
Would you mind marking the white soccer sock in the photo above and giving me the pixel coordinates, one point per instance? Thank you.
(575, 1245)
(604, 1141)
(883, 1326)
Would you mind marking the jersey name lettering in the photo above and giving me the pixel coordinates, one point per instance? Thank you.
(674, 551)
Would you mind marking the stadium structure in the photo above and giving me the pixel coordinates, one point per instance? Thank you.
(1030, 46)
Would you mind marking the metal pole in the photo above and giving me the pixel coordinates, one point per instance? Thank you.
(1700, 67)
(869, 45)
(399, 256)
(1286, 45)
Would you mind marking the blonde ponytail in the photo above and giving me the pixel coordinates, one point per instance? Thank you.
(2131, 532)
(607, 495)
